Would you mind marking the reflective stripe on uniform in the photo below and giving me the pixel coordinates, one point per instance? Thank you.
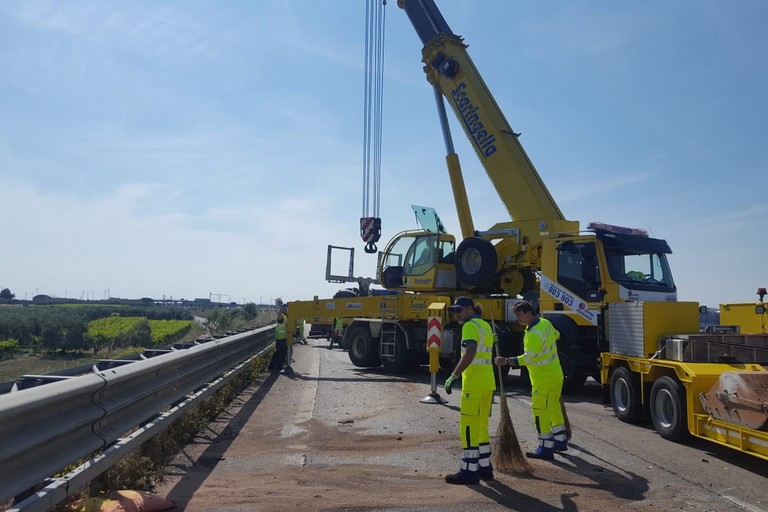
(478, 375)
(547, 336)
(483, 354)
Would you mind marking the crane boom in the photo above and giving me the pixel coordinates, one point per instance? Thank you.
(450, 69)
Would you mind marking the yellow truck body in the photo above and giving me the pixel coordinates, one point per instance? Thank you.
(751, 318)
(712, 386)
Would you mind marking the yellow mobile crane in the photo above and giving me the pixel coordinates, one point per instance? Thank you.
(538, 255)
(608, 290)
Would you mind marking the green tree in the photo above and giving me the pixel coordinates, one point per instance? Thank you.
(219, 321)
(6, 294)
(250, 310)
(61, 329)
(97, 342)
(72, 334)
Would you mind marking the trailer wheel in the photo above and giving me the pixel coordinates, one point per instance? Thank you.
(625, 395)
(476, 261)
(363, 351)
(668, 409)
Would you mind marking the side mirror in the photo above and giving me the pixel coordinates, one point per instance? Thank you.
(703, 310)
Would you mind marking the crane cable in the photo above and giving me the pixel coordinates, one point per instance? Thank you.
(370, 222)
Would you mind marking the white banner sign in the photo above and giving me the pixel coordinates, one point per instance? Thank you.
(570, 299)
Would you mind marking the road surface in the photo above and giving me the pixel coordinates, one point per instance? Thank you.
(336, 437)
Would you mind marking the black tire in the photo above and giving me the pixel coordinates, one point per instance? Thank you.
(625, 395)
(363, 349)
(399, 362)
(573, 377)
(668, 409)
(344, 294)
(476, 261)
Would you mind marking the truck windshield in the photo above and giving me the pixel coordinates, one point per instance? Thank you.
(637, 262)
(640, 271)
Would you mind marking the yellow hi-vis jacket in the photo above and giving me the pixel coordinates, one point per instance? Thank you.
(478, 376)
(540, 345)
(281, 328)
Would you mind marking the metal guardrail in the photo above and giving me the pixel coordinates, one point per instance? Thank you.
(45, 428)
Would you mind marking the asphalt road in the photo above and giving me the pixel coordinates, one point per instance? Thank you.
(335, 437)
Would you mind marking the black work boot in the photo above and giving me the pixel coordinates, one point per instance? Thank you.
(459, 479)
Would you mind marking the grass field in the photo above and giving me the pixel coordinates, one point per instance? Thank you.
(39, 364)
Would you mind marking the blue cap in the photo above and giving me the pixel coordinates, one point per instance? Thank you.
(461, 303)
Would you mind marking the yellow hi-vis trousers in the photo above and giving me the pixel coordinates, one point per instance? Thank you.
(548, 413)
(473, 429)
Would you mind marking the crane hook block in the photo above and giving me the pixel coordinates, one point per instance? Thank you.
(370, 232)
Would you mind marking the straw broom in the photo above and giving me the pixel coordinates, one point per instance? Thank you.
(506, 453)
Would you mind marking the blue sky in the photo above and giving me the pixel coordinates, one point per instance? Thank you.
(195, 148)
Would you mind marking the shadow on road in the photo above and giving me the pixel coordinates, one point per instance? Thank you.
(606, 475)
(515, 500)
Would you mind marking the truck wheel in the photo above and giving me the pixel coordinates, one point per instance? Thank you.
(573, 377)
(401, 360)
(668, 409)
(363, 350)
(476, 261)
(625, 395)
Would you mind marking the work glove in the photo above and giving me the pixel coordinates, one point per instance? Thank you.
(449, 383)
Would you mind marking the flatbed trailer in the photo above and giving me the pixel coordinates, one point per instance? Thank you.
(711, 386)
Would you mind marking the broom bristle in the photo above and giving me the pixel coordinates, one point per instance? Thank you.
(506, 453)
(565, 418)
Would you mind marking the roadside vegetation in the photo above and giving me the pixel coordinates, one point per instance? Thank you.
(40, 339)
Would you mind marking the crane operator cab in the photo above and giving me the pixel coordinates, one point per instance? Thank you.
(420, 260)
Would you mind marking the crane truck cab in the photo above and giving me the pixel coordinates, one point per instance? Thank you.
(536, 254)
(582, 274)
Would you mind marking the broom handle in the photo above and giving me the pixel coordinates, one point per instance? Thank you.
(496, 352)
(498, 370)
